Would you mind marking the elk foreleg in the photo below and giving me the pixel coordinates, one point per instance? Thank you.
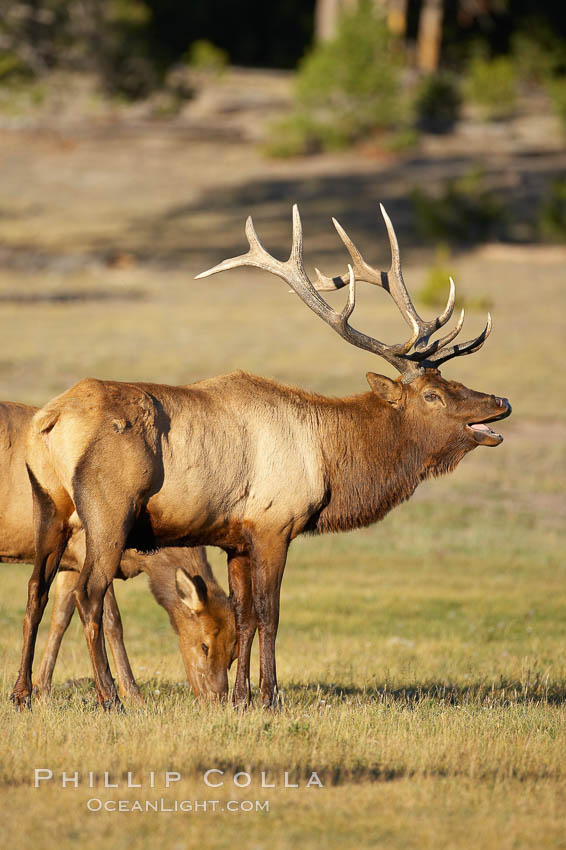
(114, 632)
(240, 583)
(63, 610)
(268, 564)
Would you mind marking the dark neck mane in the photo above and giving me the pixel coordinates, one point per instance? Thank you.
(371, 462)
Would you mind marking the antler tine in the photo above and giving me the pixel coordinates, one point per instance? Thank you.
(293, 272)
(402, 298)
(362, 270)
(396, 284)
(328, 284)
(465, 348)
(351, 302)
(252, 257)
(392, 281)
(449, 309)
(307, 292)
(296, 254)
(423, 353)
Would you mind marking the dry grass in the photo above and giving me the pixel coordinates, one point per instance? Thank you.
(427, 693)
(422, 660)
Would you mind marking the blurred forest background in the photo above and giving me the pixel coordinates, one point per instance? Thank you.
(302, 78)
(100, 35)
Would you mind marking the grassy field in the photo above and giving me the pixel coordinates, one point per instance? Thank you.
(422, 661)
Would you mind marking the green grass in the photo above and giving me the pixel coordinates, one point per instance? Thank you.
(423, 679)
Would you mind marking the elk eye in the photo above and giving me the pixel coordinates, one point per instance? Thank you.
(204, 648)
(432, 397)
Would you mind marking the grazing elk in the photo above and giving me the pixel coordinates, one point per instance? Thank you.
(244, 463)
(199, 610)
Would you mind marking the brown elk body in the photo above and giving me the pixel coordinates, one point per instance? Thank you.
(244, 463)
(199, 610)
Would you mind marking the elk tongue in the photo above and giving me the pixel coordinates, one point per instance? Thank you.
(484, 435)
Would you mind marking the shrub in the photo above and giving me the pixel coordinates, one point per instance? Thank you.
(401, 140)
(345, 88)
(538, 53)
(437, 102)
(298, 135)
(465, 211)
(552, 215)
(202, 55)
(556, 90)
(12, 67)
(200, 65)
(354, 79)
(434, 291)
(492, 85)
(122, 54)
(109, 37)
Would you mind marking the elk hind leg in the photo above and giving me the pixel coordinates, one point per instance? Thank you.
(101, 564)
(63, 610)
(107, 524)
(114, 632)
(51, 512)
(107, 518)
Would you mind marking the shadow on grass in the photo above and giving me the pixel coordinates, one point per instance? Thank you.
(212, 226)
(84, 687)
(70, 296)
(506, 692)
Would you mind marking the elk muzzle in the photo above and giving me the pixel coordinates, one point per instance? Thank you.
(481, 431)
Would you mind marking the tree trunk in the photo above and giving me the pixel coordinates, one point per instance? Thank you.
(430, 35)
(397, 17)
(325, 19)
(327, 14)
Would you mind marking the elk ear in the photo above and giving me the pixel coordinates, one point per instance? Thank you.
(192, 591)
(385, 388)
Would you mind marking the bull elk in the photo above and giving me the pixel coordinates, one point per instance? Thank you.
(244, 463)
(199, 610)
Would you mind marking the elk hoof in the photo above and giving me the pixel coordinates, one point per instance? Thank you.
(113, 704)
(272, 703)
(241, 703)
(41, 693)
(21, 702)
(135, 697)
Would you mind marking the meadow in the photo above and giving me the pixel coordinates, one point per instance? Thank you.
(422, 661)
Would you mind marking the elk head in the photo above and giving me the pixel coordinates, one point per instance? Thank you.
(207, 635)
(449, 418)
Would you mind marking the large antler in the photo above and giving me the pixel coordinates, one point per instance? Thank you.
(292, 271)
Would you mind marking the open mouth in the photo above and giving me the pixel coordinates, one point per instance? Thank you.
(483, 434)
